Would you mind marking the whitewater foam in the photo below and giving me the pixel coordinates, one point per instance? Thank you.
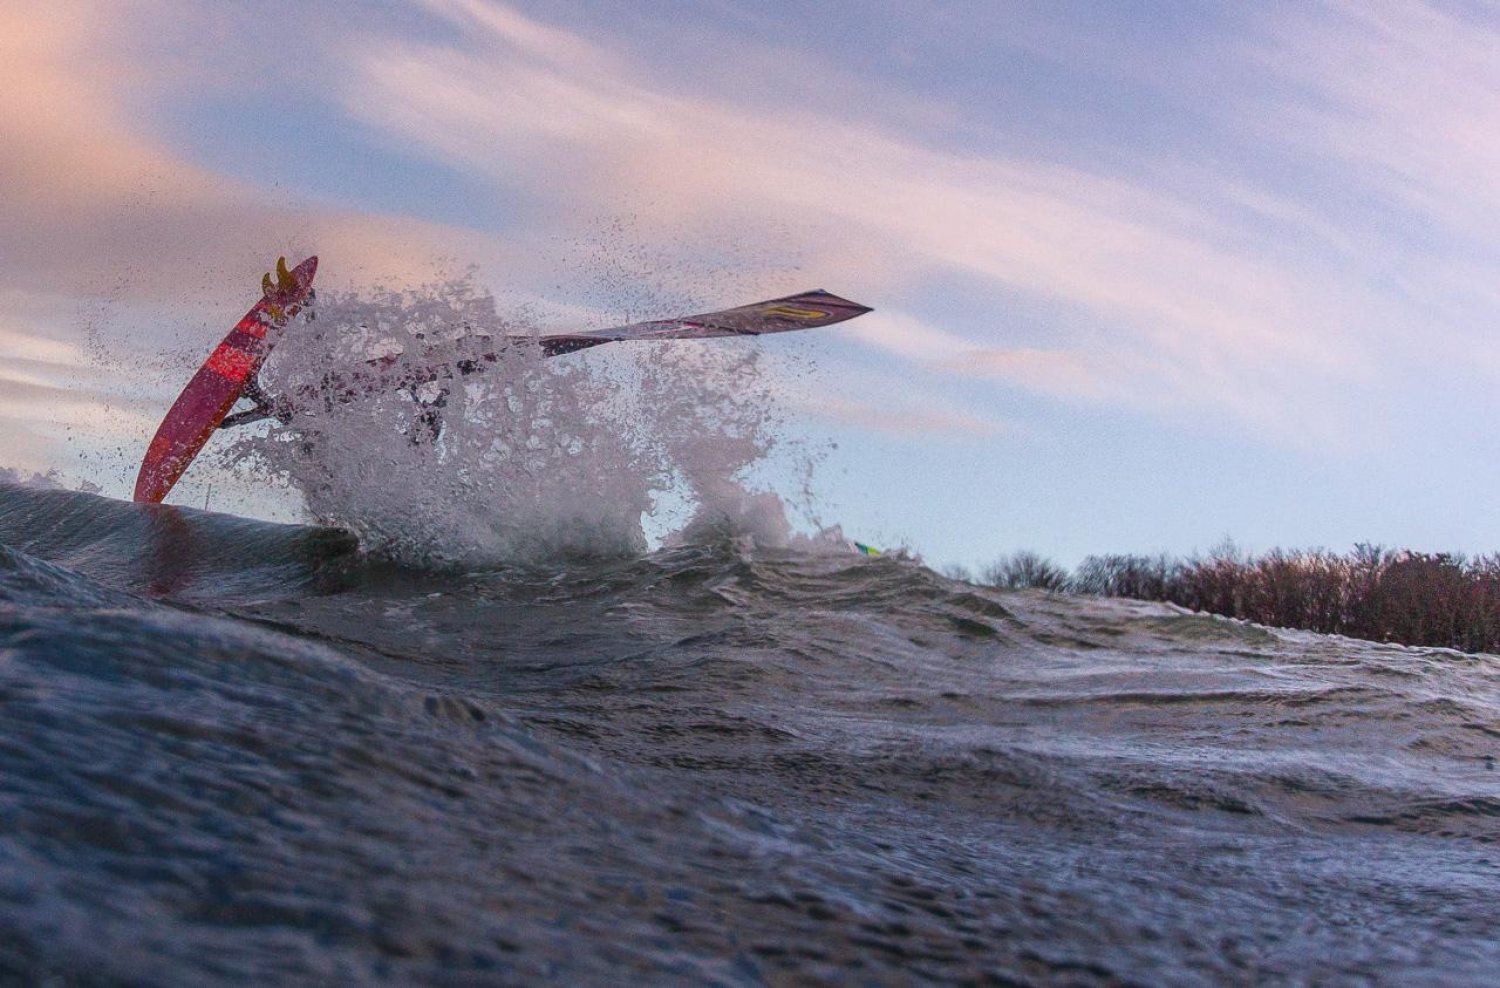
(594, 454)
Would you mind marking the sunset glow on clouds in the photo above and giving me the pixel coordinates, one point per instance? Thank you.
(1246, 255)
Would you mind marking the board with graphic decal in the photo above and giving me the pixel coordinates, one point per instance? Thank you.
(226, 375)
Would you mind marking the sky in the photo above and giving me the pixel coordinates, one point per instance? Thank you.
(1146, 276)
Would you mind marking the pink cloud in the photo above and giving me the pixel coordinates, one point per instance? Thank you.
(1170, 302)
(1200, 318)
(1057, 372)
(903, 418)
(93, 203)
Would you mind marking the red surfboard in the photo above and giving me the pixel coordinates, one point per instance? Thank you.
(221, 380)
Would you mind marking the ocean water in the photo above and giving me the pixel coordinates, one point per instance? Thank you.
(236, 752)
(557, 694)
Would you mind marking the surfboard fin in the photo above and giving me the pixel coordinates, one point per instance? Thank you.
(285, 282)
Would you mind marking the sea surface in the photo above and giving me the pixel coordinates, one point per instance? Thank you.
(233, 752)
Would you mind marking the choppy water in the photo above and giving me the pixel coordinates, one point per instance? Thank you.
(233, 752)
(480, 731)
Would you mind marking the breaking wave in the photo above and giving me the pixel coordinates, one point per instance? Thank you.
(592, 454)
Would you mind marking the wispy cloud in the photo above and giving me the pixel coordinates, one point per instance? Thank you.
(1061, 373)
(1404, 94)
(1272, 280)
(904, 418)
(93, 203)
(1182, 310)
(908, 336)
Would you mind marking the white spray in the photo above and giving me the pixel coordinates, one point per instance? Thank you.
(527, 459)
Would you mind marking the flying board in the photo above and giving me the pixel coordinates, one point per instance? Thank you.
(806, 311)
(229, 371)
(472, 354)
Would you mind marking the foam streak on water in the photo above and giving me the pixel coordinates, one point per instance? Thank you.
(244, 754)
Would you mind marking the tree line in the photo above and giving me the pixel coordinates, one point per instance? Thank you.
(1413, 598)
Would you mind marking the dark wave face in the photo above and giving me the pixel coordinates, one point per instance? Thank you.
(170, 552)
(235, 752)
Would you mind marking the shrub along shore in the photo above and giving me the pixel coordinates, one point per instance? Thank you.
(1413, 598)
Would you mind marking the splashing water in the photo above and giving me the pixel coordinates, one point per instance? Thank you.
(528, 459)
